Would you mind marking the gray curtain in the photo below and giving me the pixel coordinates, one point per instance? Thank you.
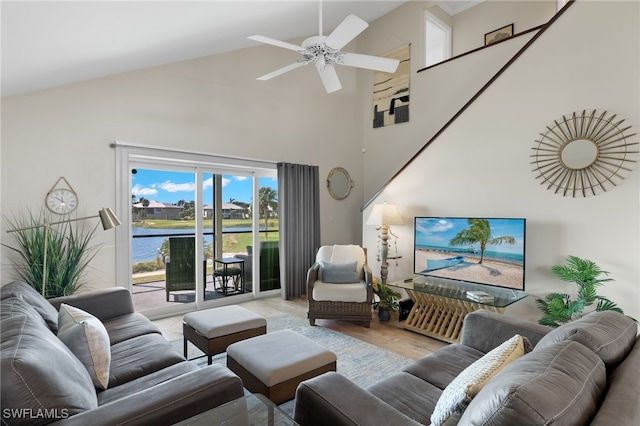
(299, 214)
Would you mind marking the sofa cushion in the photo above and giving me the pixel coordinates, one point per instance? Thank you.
(128, 326)
(16, 306)
(557, 385)
(338, 273)
(129, 388)
(469, 382)
(87, 338)
(609, 334)
(33, 298)
(40, 373)
(442, 366)
(623, 393)
(408, 394)
(136, 357)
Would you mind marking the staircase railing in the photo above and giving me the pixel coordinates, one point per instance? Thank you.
(515, 57)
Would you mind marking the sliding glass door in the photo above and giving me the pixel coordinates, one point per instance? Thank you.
(181, 213)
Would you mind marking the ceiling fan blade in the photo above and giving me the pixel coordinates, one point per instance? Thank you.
(329, 77)
(274, 42)
(348, 29)
(369, 62)
(283, 70)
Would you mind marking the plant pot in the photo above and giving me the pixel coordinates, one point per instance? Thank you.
(384, 314)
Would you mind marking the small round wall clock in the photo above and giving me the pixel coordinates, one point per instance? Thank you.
(61, 200)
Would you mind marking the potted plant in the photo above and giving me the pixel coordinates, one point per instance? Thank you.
(68, 252)
(387, 300)
(559, 308)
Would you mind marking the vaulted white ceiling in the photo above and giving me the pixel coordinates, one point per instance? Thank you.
(51, 43)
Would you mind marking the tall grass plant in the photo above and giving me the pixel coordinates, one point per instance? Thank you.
(69, 251)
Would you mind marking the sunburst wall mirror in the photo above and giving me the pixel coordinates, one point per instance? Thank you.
(584, 153)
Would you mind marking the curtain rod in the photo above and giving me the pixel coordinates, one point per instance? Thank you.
(121, 144)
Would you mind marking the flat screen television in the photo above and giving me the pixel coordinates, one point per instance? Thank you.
(487, 251)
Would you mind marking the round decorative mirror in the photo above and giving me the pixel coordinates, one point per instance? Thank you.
(339, 183)
(584, 154)
(579, 154)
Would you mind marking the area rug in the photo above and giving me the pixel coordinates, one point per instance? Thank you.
(363, 363)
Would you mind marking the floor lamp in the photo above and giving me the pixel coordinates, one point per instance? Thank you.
(384, 215)
(107, 217)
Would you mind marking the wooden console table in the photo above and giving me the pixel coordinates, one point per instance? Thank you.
(439, 306)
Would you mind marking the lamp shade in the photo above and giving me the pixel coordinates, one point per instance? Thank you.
(385, 214)
(108, 218)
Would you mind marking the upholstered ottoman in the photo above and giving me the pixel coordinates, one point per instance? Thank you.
(212, 330)
(276, 363)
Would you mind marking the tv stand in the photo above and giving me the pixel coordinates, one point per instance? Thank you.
(439, 306)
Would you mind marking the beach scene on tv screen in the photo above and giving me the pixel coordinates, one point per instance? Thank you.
(486, 251)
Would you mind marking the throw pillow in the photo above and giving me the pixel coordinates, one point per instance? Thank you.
(338, 273)
(467, 384)
(88, 339)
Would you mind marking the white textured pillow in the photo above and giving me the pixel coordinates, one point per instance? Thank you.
(458, 394)
(87, 338)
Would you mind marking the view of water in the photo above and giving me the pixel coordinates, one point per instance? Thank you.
(146, 249)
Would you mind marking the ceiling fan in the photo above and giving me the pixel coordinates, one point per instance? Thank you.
(324, 51)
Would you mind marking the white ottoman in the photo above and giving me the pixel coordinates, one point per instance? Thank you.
(276, 363)
(212, 330)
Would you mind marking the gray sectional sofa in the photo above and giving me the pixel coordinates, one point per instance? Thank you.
(586, 372)
(149, 381)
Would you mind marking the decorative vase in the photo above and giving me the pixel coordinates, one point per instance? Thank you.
(384, 314)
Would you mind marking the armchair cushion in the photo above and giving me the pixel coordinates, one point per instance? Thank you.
(343, 254)
(356, 292)
(338, 273)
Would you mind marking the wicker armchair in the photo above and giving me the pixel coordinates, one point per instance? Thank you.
(341, 300)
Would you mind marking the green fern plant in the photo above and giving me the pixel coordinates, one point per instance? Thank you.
(559, 308)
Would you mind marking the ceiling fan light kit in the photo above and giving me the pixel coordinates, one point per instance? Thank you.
(324, 51)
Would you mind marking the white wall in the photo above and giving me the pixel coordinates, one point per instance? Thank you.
(213, 105)
(480, 165)
(436, 94)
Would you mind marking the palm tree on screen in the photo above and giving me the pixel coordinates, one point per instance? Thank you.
(479, 231)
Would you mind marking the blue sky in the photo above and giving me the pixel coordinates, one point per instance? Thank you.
(170, 187)
(439, 231)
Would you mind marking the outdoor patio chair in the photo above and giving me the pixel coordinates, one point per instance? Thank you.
(180, 267)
